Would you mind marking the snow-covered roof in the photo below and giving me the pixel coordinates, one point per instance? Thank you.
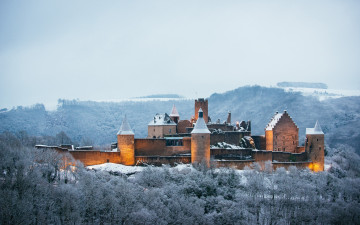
(174, 112)
(161, 119)
(200, 126)
(316, 130)
(274, 121)
(125, 128)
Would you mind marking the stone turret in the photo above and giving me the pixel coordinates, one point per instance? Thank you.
(174, 115)
(125, 139)
(314, 147)
(200, 141)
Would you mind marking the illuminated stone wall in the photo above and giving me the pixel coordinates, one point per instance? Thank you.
(284, 136)
(127, 150)
(95, 157)
(200, 148)
(203, 104)
(314, 147)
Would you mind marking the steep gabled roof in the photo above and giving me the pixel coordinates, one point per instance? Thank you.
(161, 119)
(174, 112)
(276, 118)
(200, 126)
(125, 128)
(316, 130)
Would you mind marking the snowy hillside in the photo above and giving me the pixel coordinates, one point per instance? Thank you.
(96, 123)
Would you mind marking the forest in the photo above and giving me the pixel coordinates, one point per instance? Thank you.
(45, 187)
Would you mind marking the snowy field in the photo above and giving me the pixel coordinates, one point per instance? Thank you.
(323, 94)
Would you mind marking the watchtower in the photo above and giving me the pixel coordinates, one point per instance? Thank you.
(314, 146)
(200, 141)
(203, 104)
(125, 139)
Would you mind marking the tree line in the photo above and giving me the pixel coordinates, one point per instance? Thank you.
(37, 187)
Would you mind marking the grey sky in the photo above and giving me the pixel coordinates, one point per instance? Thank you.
(120, 49)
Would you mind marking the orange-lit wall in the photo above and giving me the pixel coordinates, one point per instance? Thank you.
(126, 148)
(203, 104)
(269, 140)
(95, 157)
(314, 146)
(200, 148)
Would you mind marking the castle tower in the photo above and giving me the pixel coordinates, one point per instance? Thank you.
(125, 139)
(203, 104)
(281, 133)
(200, 141)
(314, 146)
(174, 115)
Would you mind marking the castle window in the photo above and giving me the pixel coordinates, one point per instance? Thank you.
(107, 160)
(317, 139)
(319, 148)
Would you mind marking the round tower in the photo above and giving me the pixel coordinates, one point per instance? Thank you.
(315, 147)
(200, 141)
(125, 140)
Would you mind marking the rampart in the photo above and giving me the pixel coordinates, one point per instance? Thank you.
(95, 157)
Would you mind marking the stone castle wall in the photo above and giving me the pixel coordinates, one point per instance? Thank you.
(95, 157)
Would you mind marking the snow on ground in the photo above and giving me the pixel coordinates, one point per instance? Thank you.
(323, 94)
(225, 146)
(113, 167)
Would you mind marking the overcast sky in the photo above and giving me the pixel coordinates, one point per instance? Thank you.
(94, 50)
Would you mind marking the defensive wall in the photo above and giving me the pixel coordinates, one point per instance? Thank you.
(95, 157)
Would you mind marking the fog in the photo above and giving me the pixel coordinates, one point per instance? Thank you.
(95, 50)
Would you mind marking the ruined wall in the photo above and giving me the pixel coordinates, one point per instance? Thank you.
(223, 127)
(230, 137)
(160, 160)
(95, 157)
(203, 104)
(260, 142)
(200, 148)
(229, 153)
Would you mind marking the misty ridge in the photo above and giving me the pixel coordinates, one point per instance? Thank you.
(39, 187)
(96, 123)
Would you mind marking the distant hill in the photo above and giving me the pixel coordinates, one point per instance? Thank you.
(302, 85)
(163, 96)
(99, 121)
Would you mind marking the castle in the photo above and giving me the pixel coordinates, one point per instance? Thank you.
(199, 140)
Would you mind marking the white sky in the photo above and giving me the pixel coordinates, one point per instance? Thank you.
(119, 49)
